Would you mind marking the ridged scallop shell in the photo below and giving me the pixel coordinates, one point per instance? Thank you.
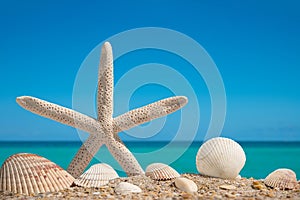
(220, 157)
(124, 188)
(282, 179)
(160, 171)
(96, 176)
(27, 173)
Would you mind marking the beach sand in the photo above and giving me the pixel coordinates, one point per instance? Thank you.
(208, 188)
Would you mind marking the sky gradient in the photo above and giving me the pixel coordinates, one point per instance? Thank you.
(255, 45)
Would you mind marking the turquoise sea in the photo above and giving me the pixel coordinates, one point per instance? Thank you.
(262, 157)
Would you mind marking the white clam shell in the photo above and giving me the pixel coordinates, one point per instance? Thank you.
(220, 157)
(125, 188)
(282, 179)
(96, 176)
(186, 185)
(160, 171)
(26, 173)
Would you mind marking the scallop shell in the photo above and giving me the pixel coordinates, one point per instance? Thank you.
(186, 185)
(26, 173)
(160, 171)
(96, 176)
(282, 179)
(220, 157)
(125, 188)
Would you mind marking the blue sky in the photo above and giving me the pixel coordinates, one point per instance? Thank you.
(255, 45)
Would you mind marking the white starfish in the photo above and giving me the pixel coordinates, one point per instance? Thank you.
(104, 129)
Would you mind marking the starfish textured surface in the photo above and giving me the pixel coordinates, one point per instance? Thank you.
(104, 129)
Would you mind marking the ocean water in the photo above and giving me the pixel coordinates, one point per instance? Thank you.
(262, 158)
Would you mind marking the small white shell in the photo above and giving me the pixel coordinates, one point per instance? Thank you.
(186, 185)
(220, 157)
(227, 187)
(160, 171)
(96, 176)
(282, 179)
(125, 188)
(26, 173)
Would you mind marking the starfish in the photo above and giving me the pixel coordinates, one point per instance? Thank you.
(103, 130)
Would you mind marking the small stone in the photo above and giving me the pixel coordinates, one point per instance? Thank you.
(228, 195)
(258, 185)
(186, 196)
(227, 187)
(217, 197)
(150, 187)
(271, 194)
(96, 193)
(186, 185)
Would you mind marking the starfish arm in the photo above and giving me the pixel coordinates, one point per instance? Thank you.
(84, 155)
(58, 113)
(117, 138)
(105, 84)
(147, 113)
(124, 157)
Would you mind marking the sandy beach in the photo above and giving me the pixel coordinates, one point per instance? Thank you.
(208, 188)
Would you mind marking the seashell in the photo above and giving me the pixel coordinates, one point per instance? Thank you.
(227, 187)
(282, 179)
(186, 185)
(26, 173)
(125, 188)
(220, 157)
(160, 171)
(96, 176)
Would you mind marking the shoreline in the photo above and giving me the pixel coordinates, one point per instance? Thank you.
(208, 188)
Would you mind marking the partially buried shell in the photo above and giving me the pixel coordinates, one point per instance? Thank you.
(96, 176)
(220, 157)
(186, 185)
(282, 179)
(27, 173)
(160, 171)
(125, 188)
